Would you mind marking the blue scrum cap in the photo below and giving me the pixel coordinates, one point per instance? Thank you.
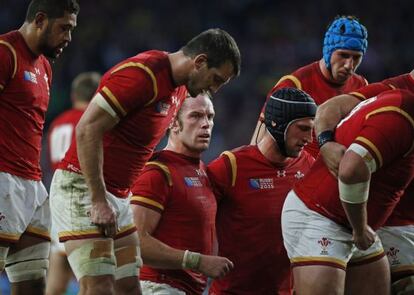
(344, 33)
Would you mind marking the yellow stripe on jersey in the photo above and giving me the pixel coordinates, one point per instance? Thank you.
(292, 78)
(321, 259)
(392, 86)
(359, 259)
(233, 164)
(164, 168)
(13, 51)
(147, 201)
(114, 100)
(38, 231)
(358, 95)
(372, 147)
(146, 69)
(397, 110)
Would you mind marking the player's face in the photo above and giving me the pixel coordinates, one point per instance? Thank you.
(56, 35)
(344, 63)
(205, 79)
(298, 134)
(195, 124)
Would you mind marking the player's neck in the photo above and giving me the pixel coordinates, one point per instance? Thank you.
(325, 72)
(29, 36)
(181, 65)
(179, 148)
(270, 150)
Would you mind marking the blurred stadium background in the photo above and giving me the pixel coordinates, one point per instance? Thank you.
(275, 38)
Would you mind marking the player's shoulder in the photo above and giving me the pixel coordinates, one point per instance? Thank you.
(155, 60)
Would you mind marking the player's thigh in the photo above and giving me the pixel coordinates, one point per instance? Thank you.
(308, 280)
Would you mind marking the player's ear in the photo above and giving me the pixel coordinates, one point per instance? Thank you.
(41, 20)
(200, 60)
(174, 126)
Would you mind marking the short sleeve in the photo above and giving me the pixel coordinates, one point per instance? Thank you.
(386, 141)
(151, 189)
(128, 88)
(371, 90)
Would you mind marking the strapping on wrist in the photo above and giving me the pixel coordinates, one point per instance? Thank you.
(191, 260)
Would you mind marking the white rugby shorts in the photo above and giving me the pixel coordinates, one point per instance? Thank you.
(313, 239)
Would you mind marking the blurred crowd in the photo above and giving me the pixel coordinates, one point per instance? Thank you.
(275, 37)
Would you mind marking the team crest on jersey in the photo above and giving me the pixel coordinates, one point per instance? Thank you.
(162, 108)
(392, 254)
(261, 183)
(193, 182)
(29, 76)
(324, 242)
(299, 175)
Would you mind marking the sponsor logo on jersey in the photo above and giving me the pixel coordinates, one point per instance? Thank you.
(261, 183)
(192, 182)
(29, 76)
(162, 108)
(392, 254)
(324, 242)
(281, 173)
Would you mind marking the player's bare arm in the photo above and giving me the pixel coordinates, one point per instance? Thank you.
(327, 117)
(159, 255)
(89, 134)
(354, 177)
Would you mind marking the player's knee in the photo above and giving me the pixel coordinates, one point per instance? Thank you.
(28, 264)
(3, 256)
(403, 286)
(128, 260)
(93, 259)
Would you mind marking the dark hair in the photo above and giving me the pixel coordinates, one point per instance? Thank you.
(219, 47)
(52, 8)
(85, 85)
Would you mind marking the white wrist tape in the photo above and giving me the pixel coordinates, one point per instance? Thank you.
(191, 260)
(353, 193)
(365, 155)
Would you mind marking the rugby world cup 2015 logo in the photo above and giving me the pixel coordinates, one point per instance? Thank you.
(392, 254)
(324, 242)
(261, 183)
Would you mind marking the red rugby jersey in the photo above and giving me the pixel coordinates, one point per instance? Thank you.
(25, 80)
(384, 126)
(404, 81)
(251, 191)
(177, 186)
(141, 91)
(311, 80)
(60, 135)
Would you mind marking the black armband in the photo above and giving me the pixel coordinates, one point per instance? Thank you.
(325, 136)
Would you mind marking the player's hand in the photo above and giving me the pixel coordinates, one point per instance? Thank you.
(364, 239)
(332, 153)
(215, 266)
(104, 216)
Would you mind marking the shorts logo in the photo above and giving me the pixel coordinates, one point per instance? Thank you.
(261, 183)
(392, 254)
(192, 182)
(163, 108)
(29, 76)
(324, 242)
